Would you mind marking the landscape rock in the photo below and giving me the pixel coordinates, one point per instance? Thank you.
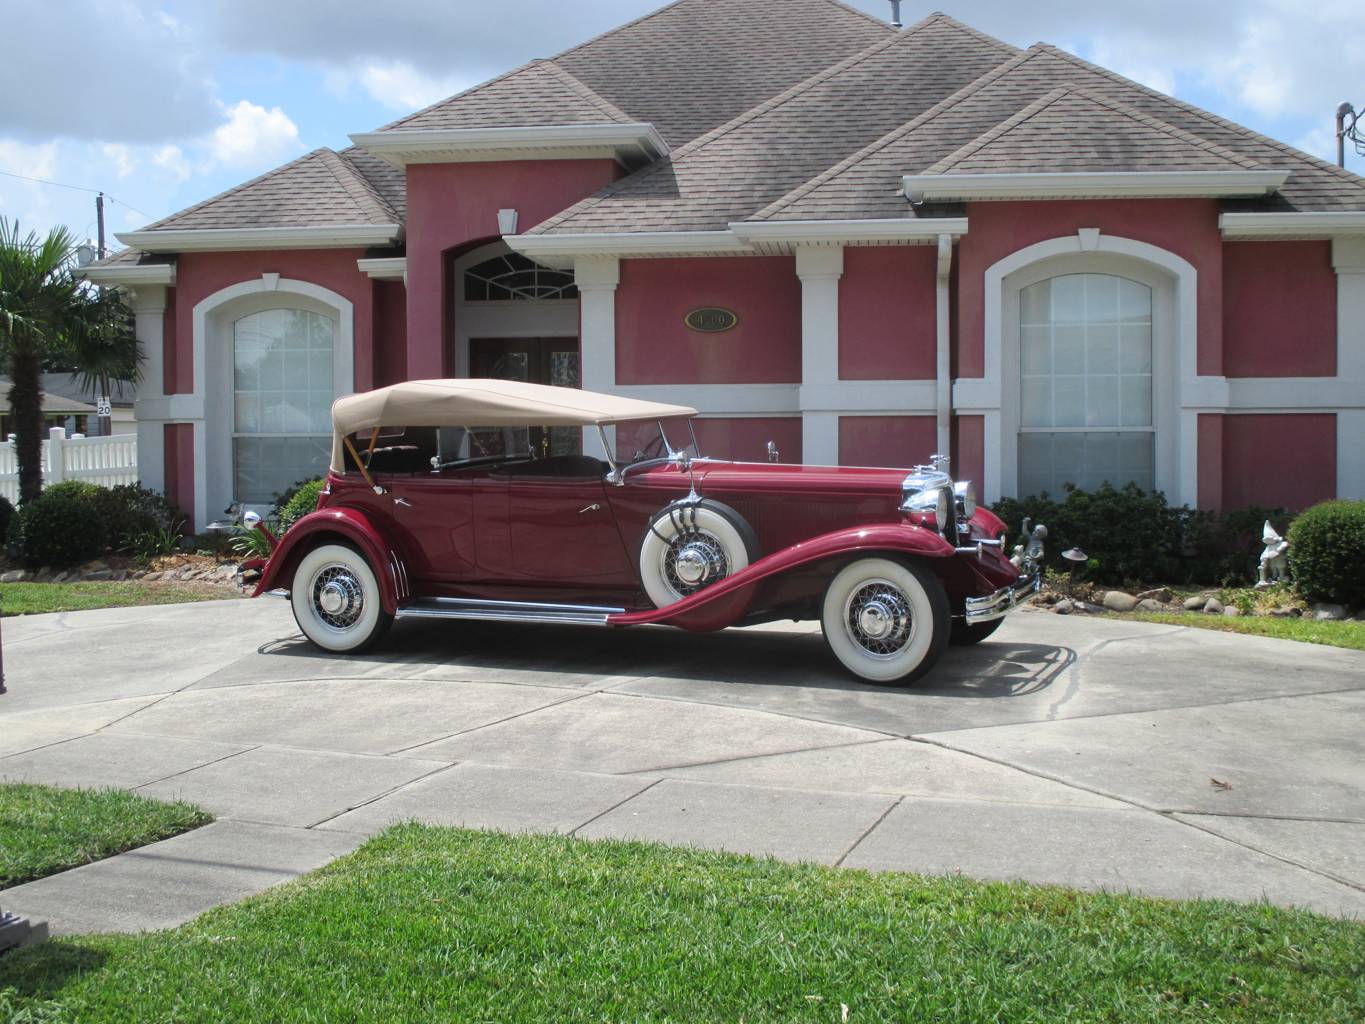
(14, 576)
(225, 572)
(1196, 603)
(1213, 606)
(1118, 601)
(1160, 594)
(1285, 613)
(60, 577)
(1232, 613)
(1064, 607)
(1328, 612)
(1086, 608)
(98, 575)
(1148, 604)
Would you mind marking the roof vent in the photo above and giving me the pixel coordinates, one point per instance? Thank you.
(896, 14)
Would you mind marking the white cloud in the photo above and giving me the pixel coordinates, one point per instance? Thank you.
(254, 137)
(121, 158)
(400, 86)
(26, 200)
(171, 159)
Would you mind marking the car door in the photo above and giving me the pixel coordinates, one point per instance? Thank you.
(561, 526)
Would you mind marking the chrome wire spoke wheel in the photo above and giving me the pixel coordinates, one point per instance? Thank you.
(337, 601)
(879, 619)
(695, 559)
(337, 596)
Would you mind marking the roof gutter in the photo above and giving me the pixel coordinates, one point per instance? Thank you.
(921, 188)
(338, 236)
(130, 275)
(782, 236)
(560, 250)
(631, 145)
(1328, 224)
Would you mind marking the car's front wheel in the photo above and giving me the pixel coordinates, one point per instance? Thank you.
(336, 600)
(886, 621)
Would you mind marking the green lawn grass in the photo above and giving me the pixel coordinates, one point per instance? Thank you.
(425, 924)
(37, 598)
(1332, 634)
(44, 830)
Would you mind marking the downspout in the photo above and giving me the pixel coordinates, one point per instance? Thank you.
(945, 380)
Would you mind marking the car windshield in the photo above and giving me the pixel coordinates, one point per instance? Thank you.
(637, 443)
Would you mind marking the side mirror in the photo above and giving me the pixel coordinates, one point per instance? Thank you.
(773, 454)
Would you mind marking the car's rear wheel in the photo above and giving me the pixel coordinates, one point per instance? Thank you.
(691, 546)
(337, 601)
(886, 621)
(964, 635)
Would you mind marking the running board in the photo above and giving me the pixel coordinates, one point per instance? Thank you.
(506, 611)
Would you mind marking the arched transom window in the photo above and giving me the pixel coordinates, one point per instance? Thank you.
(513, 277)
(1085, 362)
(283, 389)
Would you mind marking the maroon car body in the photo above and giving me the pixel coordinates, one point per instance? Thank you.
(563, 537)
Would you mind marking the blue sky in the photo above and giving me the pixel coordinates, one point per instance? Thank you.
(161, 104)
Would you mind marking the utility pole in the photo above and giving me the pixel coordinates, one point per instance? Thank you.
(99, 219)
(1347, 128)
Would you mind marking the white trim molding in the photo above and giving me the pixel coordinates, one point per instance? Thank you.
(561, 251)
(1329, 224)
(332, 236)
(386, 268)
(631, 145)
(920, 188)
(130, 275)
(784, 236)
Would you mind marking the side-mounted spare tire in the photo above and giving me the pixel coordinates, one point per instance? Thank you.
(692, 545)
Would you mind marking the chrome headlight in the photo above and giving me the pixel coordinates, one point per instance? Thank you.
(937, 500)
(965, 492)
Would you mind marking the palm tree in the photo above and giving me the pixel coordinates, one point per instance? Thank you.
(47, 314)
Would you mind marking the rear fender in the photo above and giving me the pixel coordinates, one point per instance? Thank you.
(338, 525)
(726, 602)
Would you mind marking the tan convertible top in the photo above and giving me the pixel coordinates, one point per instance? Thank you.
(490, 403)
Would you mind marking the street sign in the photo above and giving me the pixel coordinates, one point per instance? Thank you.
(104, 407)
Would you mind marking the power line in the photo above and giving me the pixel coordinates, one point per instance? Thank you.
(78, 188)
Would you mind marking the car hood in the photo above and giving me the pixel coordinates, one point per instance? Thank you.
(763, 477)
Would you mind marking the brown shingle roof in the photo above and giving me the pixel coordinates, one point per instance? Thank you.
(538, 93)
(696, 64)
(866, 183)
(753, 160)
(1072, 130)
(319, 189)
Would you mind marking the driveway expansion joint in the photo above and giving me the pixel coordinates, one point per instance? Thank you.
(868, 831)
(616, 806)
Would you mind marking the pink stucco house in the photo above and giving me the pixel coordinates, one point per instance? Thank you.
(920, 240)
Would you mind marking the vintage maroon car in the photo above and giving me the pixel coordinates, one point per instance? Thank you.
(469, 499)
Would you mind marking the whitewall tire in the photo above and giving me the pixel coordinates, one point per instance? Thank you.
(886, 621)
(337, 601)
(689, 547)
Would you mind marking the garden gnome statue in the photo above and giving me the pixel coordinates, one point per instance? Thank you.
(1031, 551)
(1274, 559)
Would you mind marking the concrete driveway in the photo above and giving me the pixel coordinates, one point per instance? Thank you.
(1073, 751)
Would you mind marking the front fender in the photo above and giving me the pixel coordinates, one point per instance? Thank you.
(726, 602)
(330, 525)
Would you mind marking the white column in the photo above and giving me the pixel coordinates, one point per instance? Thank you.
(1348, 257)
(597, 279)
(149, 309)
(944, 346)
(819, 270)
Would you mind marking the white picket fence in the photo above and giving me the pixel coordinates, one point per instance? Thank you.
(106, 461)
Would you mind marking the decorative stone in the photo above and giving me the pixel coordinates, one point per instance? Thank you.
(1148, 604)
(1064, 607)
(1328, 612)
(1086, 608)
(18, 931)
(1232, 613)
(14, 576)
(96, 566)
(61, 577)
(1161, 594)
(1196, 603)
(1118, 601)
(98, 575)
(1285, 613)
(1213, 606)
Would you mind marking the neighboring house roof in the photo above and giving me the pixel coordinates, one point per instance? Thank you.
(319, 189)
(758, 157)
(539, 93)
(63, 395)
(865, 184)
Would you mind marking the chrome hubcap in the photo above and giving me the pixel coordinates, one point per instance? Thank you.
(878, 618)
(338, 597)
(697, 563)
(695, 559)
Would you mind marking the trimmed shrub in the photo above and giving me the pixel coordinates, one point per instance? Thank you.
(1134, 536)
(132, 513)
(303, 501)
(1327, 550)
(6, 515)
(61, 528)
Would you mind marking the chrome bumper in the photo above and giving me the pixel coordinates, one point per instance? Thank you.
(1003, 601)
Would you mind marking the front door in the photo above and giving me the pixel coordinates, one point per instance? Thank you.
(551, 361)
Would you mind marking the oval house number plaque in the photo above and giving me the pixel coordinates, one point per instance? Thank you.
(711, 320)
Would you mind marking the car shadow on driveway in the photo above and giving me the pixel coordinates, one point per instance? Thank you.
(591, 658)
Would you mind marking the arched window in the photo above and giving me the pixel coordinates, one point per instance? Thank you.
(283, 389)
(515, 278)
(1085, 377)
